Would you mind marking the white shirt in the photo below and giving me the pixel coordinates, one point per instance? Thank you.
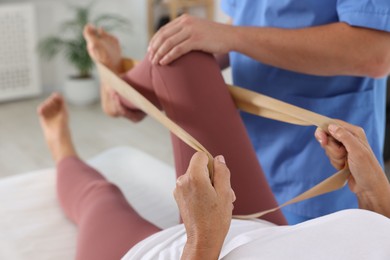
(348, 234)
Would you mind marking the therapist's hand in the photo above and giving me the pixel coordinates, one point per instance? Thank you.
(206, 210)
(187, 33)
(367, 181)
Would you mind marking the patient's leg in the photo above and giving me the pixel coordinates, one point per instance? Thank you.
(108, 226)
(193, 94)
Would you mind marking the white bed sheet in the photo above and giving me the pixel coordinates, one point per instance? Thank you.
(32, 225)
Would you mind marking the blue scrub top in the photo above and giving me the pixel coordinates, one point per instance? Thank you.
(291, 158)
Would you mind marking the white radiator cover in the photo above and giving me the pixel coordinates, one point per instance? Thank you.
(19, 76)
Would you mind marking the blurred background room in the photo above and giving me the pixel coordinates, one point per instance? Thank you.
(27, 76)
(42, 51)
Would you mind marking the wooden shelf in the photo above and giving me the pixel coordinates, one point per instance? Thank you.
(176, 6)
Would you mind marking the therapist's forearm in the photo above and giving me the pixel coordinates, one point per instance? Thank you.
(334, 49)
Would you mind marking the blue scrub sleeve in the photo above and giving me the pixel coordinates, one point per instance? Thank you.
(374, 14)
(228, 7)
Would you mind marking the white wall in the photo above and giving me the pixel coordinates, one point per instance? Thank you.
(50, 13)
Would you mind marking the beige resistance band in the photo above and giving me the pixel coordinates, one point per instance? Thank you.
(247, 101)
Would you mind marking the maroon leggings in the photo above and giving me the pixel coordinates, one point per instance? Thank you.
(192, 92)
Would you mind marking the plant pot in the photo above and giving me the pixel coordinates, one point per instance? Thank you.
(81, 91)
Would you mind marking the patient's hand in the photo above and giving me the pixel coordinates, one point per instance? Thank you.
(368, 180)
(206, 210)
(333, 148)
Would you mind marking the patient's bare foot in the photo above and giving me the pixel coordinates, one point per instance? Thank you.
(53, 116)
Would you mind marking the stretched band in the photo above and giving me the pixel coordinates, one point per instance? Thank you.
(247, 101)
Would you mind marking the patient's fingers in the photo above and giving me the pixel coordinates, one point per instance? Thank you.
(321, 136)
(338, 163)
(336, 152)
(355, 130)
(222, 177)
(197, 170)
(333, 149)
(350, 141)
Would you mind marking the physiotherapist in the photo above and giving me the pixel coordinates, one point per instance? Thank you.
(328, 56)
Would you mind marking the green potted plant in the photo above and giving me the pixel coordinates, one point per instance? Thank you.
(79, 89)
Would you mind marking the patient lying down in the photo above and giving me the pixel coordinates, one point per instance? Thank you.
(110, 229)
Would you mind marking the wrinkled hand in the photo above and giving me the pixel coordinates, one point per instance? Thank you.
(333, 148)
(187, 33)
(367, 180)
(354, 148)
(206, 210)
